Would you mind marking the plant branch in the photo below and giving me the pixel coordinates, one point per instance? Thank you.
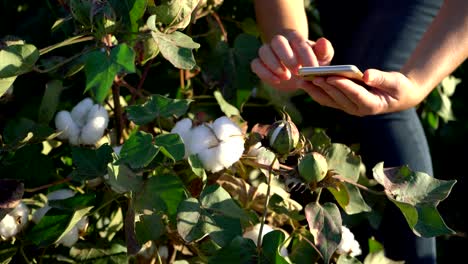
(220, 24)
(267, 199)
(60, 64)
(312, 245)
(142, 80)
(360, 186)
(70, 41)
(117, 113)
(121, 82)
(47, 185)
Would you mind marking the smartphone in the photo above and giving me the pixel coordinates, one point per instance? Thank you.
(348, 71)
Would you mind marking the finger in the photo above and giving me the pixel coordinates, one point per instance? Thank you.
(304, 52)
(263, 72)
(318, 94)
(387, 81)
(270, 60)
(368, 101)
(337, 95)
(282, 49)
(324, 51)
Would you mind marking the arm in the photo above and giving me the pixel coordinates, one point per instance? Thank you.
(443, 47)
(284, 28)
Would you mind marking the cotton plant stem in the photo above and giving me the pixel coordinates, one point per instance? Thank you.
(267, 199)
(117, 113)
(31, 190)
(70, 41)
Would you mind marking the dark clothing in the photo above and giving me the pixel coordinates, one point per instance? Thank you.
(382, 35)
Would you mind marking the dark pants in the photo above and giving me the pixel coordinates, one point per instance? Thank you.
(382, 35)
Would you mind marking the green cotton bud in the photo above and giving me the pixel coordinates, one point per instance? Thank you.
(313, 167)
(283, 136)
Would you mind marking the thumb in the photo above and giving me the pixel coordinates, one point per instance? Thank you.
(380, 79)
(324, 51)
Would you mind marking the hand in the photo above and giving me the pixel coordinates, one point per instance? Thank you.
(278, 61)
(385, 92)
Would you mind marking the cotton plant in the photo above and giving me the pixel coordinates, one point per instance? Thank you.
(13, 222)
(348, 245)
(85, 124)
(218, 145)
(70, 238)
(253, 235)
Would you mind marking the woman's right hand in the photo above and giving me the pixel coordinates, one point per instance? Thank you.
(279, 60)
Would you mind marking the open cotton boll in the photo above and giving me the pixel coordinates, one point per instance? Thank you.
(96, 123)
(210, 157)
(183, 128)
(224, 128)
(68, 127)
(230, 151)
(201, 138)
(70, 238)
(80, 112)
(14, 221)
(348, 245)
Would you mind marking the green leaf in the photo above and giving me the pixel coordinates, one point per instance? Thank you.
(74, 203)
(168, 189)
(101, 69)
(17, 59)
(55, 224)
(215, 214)
(342, 160)
(22, 131)
(302, 252)
(349, 198)
(122, 179)
(99, 254)
(157, 106)
(131, 11)
(29, 165)
(176, 47)
(197, 167)
(5, 84)
(278, 205)
(149, 227)
(81, 11)
(325, 225)
(175, 13)
(91, 163)
(417, 195)
(50, 101)
(239, 250)
(138, 151)
(228, 109)
(380, 258)
(271, 245)
(346, 259)
(171, 146)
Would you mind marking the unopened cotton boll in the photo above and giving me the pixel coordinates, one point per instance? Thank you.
(68, 127)
(96, 123)
(14, 221)
(348, 245)
(80, 112)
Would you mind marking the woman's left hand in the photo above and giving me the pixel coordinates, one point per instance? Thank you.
(381, 92)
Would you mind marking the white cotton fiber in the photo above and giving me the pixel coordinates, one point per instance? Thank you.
(201, 138)
(96, 123)
(80, 112)
(14, 221)
(65, 124)
(224, 128)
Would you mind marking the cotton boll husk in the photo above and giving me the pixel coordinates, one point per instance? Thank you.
(93, 130)
(70, 238)
(14, 221)
(224, 128)
(183, 128)
(81, 110)
(210, 159)
(201, 138)
(230, 151)
(68, 127)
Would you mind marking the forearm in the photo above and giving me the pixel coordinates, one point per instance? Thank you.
(281, 17)
(443, 47)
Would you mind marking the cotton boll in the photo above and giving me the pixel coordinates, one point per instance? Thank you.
(80, 112)
(230, 151)
(70, 238)
(93, 130)
(65, 124)
(14, 221)
(348, 245)
(210, 159)
(201, 138)
(82, 224)
(183, 128)
(224, 128)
